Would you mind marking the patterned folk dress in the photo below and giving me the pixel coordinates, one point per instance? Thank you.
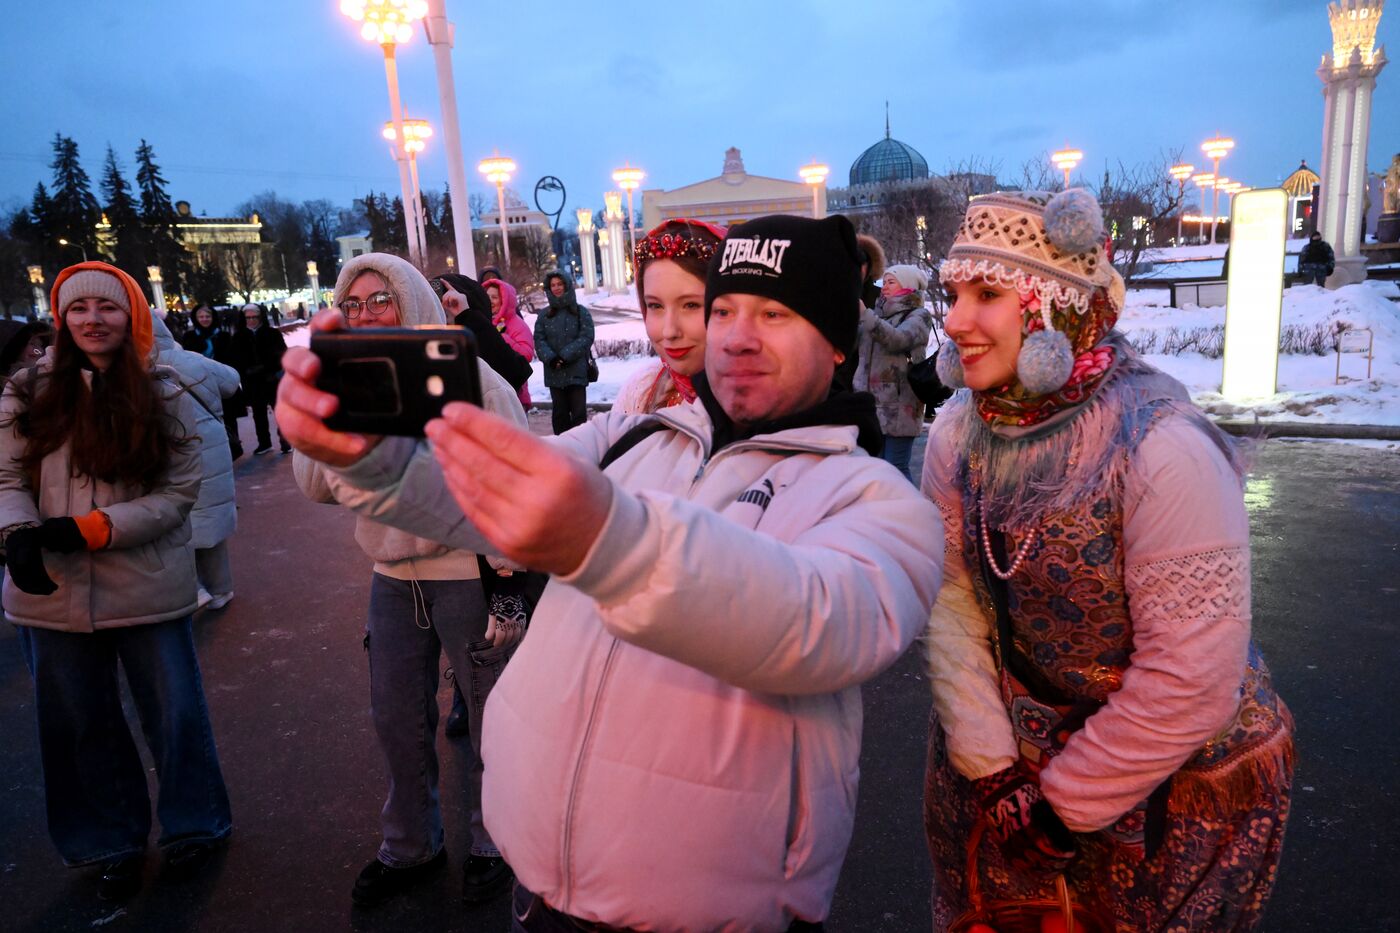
(1121, 670)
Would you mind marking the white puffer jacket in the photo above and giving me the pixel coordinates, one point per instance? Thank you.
(675, 744)
(215, 515)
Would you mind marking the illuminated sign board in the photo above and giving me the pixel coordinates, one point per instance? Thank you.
(1254, 293)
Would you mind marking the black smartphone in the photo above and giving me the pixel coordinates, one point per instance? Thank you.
(394, 380)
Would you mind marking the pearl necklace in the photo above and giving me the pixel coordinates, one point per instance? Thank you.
(1021, 551)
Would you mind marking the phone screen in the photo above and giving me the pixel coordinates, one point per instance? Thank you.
(369, 386)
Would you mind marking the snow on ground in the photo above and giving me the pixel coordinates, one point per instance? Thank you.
(1307, 390)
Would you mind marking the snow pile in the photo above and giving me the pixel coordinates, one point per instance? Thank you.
(1308, 390)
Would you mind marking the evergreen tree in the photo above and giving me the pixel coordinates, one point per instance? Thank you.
(158, 214)
(129, 244)
(72, 213)
(208, 282)
(33, 228)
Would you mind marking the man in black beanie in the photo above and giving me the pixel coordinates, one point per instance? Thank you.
(676, 745)
(782, 305)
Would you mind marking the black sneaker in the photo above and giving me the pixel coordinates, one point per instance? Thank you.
(485, 877)
(262, 449)
(121, 878)
(185, 860)
(379, 882)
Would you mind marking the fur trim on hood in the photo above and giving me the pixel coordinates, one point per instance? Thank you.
(418, 303)
(872, 248)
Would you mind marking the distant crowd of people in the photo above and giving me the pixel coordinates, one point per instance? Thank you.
(657, 621)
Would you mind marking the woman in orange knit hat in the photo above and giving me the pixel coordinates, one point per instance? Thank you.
(99, 468)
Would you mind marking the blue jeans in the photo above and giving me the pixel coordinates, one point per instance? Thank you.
(94, 782)
(897, 451)
(410, 625)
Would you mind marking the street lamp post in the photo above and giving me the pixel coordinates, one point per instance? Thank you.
(605, 253)
(36, 282)
(1181, 173)
(312, 273)
(1065, 160)
(815, 174)
(585, 248)
(157, 289)
(1203, 181)
(78, 246)
(629, 179)
(416, 133)
(498, 171)
(1215, 150)
(440, 35)
(389, 22)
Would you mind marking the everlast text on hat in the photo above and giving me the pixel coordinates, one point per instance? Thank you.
(762, 251)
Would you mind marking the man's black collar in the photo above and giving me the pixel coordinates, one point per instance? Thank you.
(839, 408)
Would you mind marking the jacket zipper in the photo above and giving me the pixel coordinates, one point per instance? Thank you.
(567, 854)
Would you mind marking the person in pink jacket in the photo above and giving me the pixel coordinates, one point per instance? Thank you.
(675, 745)
(1098, 705)
(505, 314)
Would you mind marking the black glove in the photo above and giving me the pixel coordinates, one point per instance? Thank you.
(61, 535)
(25, 559)
(1031, 835)
(557, 363)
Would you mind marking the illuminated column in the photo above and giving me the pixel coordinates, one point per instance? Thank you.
(313, 274)
(1254, 295)
(605, 254)
(415, 132)
(157, 290)
(36, 281)
(1348, 75)
(585, 248)
(617, 253)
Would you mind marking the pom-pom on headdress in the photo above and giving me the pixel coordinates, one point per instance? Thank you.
(1049, 249)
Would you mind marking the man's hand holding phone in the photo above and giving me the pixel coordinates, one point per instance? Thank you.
(302, 408)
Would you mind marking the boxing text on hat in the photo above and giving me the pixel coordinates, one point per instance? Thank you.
(762, 251)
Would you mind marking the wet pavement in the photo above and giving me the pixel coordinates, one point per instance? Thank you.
(286, 678)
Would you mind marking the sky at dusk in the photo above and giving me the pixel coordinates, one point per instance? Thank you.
(242, 96)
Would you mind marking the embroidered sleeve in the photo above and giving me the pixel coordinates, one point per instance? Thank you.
(957, 643)
(1187, 583)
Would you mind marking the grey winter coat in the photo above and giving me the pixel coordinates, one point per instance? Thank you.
(146, 572)
(215, 515)
(564, 332)
(892, 336)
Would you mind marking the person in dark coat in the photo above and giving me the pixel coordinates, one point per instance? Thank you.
(563, 342)
(22, 344)
(256, 348)
(467, 305)
(1316, 261)
(209, 340)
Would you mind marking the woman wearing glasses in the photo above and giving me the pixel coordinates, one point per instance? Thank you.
(256, 350)
(425, 599)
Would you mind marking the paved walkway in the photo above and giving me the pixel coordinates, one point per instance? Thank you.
(287, 685)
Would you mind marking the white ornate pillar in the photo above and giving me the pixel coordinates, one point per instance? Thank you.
(585, 249)
(1348, 77)
(617, 252)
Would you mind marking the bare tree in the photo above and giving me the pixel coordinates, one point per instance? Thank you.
(1140, 203)
(244, 267)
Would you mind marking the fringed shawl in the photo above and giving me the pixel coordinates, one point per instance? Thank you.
(1028, 474)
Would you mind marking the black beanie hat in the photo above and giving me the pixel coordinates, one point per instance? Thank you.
(812, 266)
